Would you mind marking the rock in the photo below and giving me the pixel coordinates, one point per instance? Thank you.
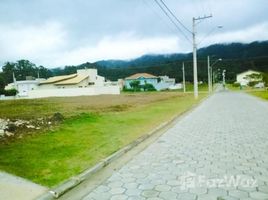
(58, 117)
(9, 134)
(11, 127)
(2, 132)
(30, 126)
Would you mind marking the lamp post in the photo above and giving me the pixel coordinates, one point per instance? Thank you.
(223, 78)
(210, 72)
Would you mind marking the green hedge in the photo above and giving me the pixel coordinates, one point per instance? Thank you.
(11, 92)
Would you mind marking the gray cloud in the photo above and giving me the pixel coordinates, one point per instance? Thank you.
(62, 32)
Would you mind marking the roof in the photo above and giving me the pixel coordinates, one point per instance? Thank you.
(139, 75)
(56, 79)
(253, 71)
(73, 81)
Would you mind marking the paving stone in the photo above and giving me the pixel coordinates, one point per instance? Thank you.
(117, 190)
(115, 184)
(217, 192)
(198, 191)
(119, 197)
(150, 193)
(225, 136)
(136, 198)
(258, 195)
(168, 195)
(228, 198)
(263, 188)
(162, 188)
(187, 196)
(133, 192)
(238, 194)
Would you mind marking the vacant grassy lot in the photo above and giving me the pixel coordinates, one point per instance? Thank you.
(261, 94)
(95, 127)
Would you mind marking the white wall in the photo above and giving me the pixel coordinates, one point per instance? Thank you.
(69, 92)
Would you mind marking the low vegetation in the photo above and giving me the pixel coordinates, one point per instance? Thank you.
(260, 94)
(94, 127)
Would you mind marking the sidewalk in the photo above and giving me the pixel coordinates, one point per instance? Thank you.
(16, 188)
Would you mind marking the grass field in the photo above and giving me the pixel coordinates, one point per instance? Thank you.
(94, 128)
(261, 94)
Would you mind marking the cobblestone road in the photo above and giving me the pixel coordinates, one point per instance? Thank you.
(218, 151)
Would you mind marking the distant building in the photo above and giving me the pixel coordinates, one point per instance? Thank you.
(82, 79)
(24, 87)
(144, 78)
(243, 78)
(159, 82)
(85, 82)
(165, 83)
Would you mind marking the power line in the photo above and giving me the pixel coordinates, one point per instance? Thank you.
(175, 17)
(158, 15)
(161, 7)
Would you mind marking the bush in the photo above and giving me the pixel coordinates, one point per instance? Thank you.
(148, 87)
(11, 92)
(253, 83)
(2, 91)
(236, 85)
(125, 89)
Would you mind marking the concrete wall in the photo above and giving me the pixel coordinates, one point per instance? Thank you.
(69, 92)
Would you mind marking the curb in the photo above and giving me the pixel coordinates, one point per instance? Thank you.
(72, 182)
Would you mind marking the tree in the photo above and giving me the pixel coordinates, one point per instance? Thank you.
(2, 83)
(135, 85)
(23, 68)
(265, 79)
(8, 70)
(254, 79)
(149, 87)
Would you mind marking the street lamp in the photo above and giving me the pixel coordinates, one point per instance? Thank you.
(223, 78)
(210, 77)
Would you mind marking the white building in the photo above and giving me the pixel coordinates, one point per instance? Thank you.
(82, 79)
(165, 83)
(85, 82)
(243, 78)
(24, 87)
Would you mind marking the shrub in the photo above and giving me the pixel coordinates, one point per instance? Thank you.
(135, 85)
(11, 92)
(148, 87)
(236, 85)
(125, 89)
(253, 83)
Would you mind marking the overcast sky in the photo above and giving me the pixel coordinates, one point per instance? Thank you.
(69, 32)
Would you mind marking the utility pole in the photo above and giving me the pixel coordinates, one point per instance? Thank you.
(183, 78)
(209, 76)
(195, 53)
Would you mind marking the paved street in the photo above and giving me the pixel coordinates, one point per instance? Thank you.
(218, 151)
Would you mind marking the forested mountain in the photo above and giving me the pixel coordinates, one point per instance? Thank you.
(237, 57)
